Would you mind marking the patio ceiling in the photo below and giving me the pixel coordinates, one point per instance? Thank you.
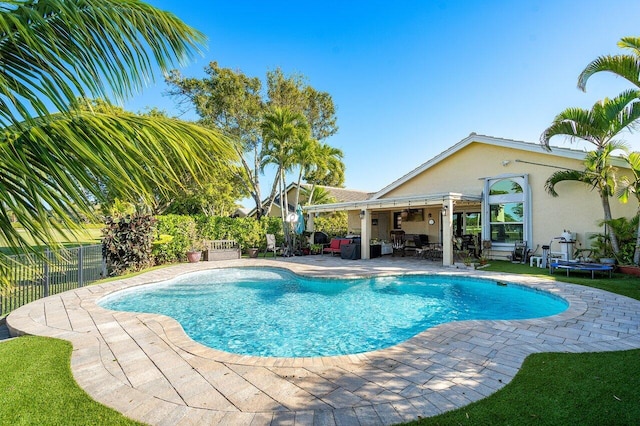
(425, 200)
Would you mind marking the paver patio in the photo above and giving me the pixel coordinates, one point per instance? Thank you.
(145, 366)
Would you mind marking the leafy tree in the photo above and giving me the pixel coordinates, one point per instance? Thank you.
(51, 53)
(598, 126)
(293, 92)
(231, 101)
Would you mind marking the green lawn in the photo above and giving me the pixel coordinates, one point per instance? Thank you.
(90, 234)
(37, 387)
(550, 389)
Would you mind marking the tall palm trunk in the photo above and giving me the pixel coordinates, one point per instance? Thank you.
(636, 253)
(607, 217)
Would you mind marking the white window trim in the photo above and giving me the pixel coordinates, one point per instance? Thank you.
(524, 197)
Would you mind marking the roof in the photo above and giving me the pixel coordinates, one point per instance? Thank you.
(489, 140)
(341, 195)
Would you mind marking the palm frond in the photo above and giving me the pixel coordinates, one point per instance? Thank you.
(49, 168)
(55, 50)
(626, 66)
(563, 176)
(631, 43)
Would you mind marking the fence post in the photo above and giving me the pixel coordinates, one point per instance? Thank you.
(46, 274)
(104, 263)
(80, 266)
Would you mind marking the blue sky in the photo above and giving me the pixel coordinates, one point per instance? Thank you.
(412, 78)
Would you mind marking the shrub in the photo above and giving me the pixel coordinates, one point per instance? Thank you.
(175, 249)
(127, 241)
(247, 231)
(333, 224)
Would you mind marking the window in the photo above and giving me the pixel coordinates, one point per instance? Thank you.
(507, 208)
(472, 223)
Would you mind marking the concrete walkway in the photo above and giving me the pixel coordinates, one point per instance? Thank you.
(144, 366)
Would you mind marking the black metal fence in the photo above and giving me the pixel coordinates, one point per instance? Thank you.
(34, 277)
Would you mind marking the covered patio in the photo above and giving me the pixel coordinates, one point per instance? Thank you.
(437, 211)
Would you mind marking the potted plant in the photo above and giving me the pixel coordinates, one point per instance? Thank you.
(315, 248)
(602, 250)
(196, 245)
(252, 241)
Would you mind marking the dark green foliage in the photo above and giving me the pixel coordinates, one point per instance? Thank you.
(126, 242)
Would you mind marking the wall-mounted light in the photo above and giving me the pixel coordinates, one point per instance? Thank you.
(444, 210)
(361, 214)
(505, 163)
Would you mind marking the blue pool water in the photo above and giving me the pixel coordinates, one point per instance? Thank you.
(273, 312)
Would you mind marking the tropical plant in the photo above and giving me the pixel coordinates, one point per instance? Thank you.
(127, 242)
(327, 169)
(632, 187)
(54, 52)
(625, 66)
(598, 126)
(283, 131)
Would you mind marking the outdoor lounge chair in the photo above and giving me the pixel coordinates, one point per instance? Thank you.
(271, 245)
(334, 245)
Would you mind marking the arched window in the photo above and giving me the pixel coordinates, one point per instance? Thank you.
(507, 209)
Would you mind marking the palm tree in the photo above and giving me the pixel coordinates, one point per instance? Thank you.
(305, 155)
(598, 126)
(632, 187)
(328, 169)
(54, 52)
(282, 132)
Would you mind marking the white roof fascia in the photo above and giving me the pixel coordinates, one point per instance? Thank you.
(404, 202)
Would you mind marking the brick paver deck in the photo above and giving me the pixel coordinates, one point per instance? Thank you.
(144, 365)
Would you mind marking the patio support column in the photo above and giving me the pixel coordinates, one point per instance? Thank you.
(447, 232)
(311, 227)
(365, 233)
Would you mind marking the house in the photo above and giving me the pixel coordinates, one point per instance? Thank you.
(340, 195)
(488, 187)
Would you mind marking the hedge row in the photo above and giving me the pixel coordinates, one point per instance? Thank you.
(175, 233)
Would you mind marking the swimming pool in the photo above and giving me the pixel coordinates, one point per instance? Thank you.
(274, 312)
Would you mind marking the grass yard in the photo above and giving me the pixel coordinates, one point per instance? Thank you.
(90, 234)
(38, 387)
(550, 389)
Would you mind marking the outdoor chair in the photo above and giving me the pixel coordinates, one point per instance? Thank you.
(397, 242)
(271, 245)
(469, 245)
(519, 253)
(419, 248)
